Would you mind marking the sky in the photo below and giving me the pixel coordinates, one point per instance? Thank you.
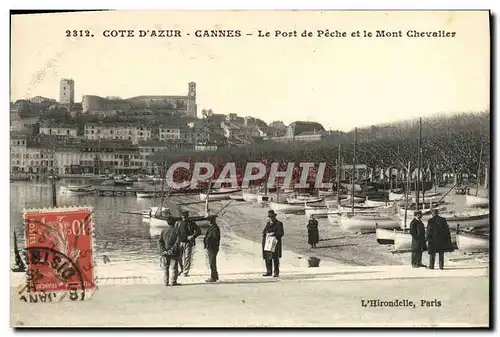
(341, 82)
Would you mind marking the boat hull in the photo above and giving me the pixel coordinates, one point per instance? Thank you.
(249, 197)
(359, 223)
(479, 202)
(384, 236)
(286, 208)
(215, 196)
(402, 241)
(465, 221)
(472, 243)
(318, 212)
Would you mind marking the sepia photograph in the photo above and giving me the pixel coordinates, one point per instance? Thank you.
(245, 168)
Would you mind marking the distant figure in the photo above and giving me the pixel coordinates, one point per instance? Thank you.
(170, 251)
(417, 231)
(211, 242)
(312, 231)
(273, 228)
(438, 239)
(188, 232)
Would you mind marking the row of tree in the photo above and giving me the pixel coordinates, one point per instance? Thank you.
(450, 144)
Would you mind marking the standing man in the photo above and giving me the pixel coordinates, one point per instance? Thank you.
(211, 242)
(312, 231)
(438, 239)
(169, 250)
(273, 228)
(188, 232)
(417, 231)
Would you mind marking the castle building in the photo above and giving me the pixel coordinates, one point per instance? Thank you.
(67, 92)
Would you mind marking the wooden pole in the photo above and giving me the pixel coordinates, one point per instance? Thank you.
(54, 192)
(338, 175)
(354, 168)
(406, 194)
(417, 187)
(479, 170)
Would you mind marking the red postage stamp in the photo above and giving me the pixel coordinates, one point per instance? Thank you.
(60, 251)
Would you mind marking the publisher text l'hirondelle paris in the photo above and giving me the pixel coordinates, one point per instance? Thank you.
(202, 171)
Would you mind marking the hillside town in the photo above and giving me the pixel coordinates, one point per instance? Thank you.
(111, 135)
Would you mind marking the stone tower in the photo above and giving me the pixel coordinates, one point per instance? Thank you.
(191, 104)
(67, 92)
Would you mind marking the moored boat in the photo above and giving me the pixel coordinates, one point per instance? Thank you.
(402, 240)
(317, 211)
(300, 199)
(147, 194)
(473, 242)
(365, 223)
(284, 207)
(471, 218)
(236, 197)
(78, 190)
(218, 194)
(480, 202)
(20, 177)
(249, 196)
(384, 236)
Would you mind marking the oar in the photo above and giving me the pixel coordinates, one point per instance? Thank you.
(131, 212)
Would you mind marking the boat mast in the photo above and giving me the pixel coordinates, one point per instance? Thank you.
(406, 193)
(338, 175)
(417, 188)
(163, 176)
(479, 170)
(354, 168)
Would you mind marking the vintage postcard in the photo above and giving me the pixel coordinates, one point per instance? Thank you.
(250, 169)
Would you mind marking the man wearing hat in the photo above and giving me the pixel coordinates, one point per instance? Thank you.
(188, 232)
(438, 238)
(169, 250)
(417, 231)
(273, 228)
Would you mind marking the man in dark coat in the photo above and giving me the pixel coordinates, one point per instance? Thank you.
(417, 231)
(170, 252)
(188, 232)
(438, 239)
(312, 231)
(212, 243)
(273, 228)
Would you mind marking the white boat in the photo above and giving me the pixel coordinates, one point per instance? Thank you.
(334, 217)
(148, 215)
(402, 241)
(302, 198)
(218, 194)
(317, 211)
(236, 197)
(365, 223)
(357, 200)
(228, 190)
(396, 196)
(479, 218)
(78, 189)
(384, 236)
(249, 196)
(147, 194)
(373, 203)
(283, 207)
(469, 242)
(325, 194)
(473, 201)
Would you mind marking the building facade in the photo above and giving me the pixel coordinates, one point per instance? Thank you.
(59, 130)
(132, 133)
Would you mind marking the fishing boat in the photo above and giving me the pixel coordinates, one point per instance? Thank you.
(431, 198)
(249, 196)
(151, 211)
(402, 240)
(284, 207)
(236, 197)
(317, 211)
(301, 198)
(80, 190)
(221, 194)
(479, 218)
(374, 203)
(328, 193)
(20, 177)
(262, 197)
(473, 242)
(384, 236)
(365, 223)
(147, 194)
(478, 202)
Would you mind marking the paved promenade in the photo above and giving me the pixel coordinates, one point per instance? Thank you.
(312, 297)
